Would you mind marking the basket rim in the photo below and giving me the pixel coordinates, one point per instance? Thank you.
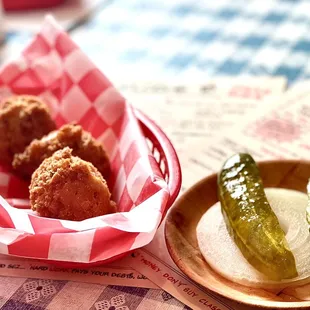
(173, 163)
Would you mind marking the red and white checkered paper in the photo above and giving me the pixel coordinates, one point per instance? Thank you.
(53, 67)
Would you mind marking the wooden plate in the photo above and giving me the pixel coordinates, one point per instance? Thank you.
(180, 233)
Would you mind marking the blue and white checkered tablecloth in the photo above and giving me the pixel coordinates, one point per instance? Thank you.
(204, 38)
(183, 38)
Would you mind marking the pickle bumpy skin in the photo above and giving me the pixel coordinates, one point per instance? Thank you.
(251, 221)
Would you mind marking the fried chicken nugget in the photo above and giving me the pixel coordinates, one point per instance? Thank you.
(22, 119)
(67, 187)
(81, 142)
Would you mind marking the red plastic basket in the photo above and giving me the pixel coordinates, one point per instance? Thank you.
(164, 154)
(17, 5)
(167, 159)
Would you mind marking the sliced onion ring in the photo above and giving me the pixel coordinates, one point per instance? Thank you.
(223, 255)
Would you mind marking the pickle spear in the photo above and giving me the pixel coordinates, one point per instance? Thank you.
(251, 221)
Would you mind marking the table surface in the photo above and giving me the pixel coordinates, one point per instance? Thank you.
(180, 38)
(153, 39)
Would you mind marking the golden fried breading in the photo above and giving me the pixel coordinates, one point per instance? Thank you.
(22, 119)
(81, 142)
(67, 187)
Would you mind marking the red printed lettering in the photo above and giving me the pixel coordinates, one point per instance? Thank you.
(150, 264)
(190, 292)
(180, 284)
(170, 278)
(206, 302)
(248, 92)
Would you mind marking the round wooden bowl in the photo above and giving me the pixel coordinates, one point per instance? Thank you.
(180, 233)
